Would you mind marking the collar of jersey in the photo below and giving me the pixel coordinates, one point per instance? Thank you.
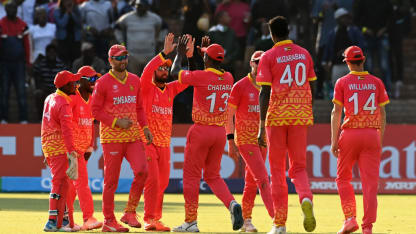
(359, 73)
(78, 93)
(60, 93)
(281, 43)
(251, 81)
(122, 82)
(215, 71)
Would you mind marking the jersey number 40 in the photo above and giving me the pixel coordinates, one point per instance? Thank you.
(300, 75)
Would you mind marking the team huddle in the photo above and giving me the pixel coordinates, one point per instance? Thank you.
(268, 111)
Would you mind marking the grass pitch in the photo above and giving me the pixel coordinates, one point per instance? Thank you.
(27, 213)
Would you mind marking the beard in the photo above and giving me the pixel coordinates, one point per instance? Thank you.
(120, 67)
(163, 79)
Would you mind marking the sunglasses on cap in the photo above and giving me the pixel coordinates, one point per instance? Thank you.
(120, 58)
(163, 68)
(91, 79)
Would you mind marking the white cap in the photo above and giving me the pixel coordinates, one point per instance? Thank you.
(340, 12)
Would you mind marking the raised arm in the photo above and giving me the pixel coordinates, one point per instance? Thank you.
(181, 54)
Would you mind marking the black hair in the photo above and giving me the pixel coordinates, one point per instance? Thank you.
(218, 16)
(279, 27)
(51, 46)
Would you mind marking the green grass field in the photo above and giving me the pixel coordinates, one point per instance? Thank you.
(27, 213)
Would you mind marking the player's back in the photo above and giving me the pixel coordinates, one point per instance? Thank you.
(288, 68)
(361, 94)
(211, 91)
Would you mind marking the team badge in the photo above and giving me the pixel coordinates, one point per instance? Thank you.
(131, 88)
(220, 78)
(288, 48)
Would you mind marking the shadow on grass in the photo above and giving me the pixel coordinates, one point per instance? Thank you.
(35, 204)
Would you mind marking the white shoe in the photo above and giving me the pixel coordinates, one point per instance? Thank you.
(187, 227)
(277, 230)
(248, 226)
(309, 222)
(236, 215)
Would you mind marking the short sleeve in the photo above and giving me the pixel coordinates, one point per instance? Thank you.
(177, 87)
(311, 72)
(235, 96)
(383, 97)
(187, 77)
(338, 93)
(264, 74)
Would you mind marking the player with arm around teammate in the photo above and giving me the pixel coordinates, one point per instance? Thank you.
(363, 98)
(284, 74)
(243, 106)
(206, 139)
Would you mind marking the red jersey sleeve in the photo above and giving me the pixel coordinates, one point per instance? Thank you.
(146, 79)
(177, 87)
(339, 92)
(383, 97)
(235, 95)
(311, 72)
(264, 73)
(65, 120)
(141, 114)
(187, 77)
(97, 104)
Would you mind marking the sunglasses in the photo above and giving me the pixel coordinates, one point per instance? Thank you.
(91, 79)
(163, 68)
(256, 61)
(120, 58)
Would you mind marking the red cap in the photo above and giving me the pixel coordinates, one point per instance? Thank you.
(214, 51)
(117, 50)
(256, 55)
(87, 71)
(353, 53)
(64, 77)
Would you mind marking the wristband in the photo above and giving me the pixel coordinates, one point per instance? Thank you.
(230, 136)
(163, 55)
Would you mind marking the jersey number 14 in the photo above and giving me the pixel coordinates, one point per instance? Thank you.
(368, 106)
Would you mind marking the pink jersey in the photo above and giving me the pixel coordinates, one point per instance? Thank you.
(361, 94)
(245, 98)
(113, 99)
(57, 135)
(211, 91)
(158, 103)
(287, 68)
(83, 122)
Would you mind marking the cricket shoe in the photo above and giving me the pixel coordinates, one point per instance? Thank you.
(156, 225)
(131, 219)
(236, 215)
(248, 226)
(50, 226)
(187, 227)
(367, 231)
(91, 223)
(309, 222)
(113, 226)
(76, 228)
(350, 225)
(277, 230)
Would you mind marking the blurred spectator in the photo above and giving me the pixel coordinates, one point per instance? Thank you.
(399, 28)
(197, 15)
(44, 71)
(265, 41)
(68, 24)
(14, 54)
(343, 36)
(97, 16)
(240, 15)
(123, 7)
(222, 34)
(52, 5)
(374, 17)
(139, 31)
(88, 58)
(42, 33)
(25, 10)
(263, 10)
(2, 11)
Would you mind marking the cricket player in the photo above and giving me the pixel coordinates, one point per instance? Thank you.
(244, 105)
(285, 71)
(363, 98)
(84, 142)
(57, 137)
(158, 102)
(117, 104)
(206, 138)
